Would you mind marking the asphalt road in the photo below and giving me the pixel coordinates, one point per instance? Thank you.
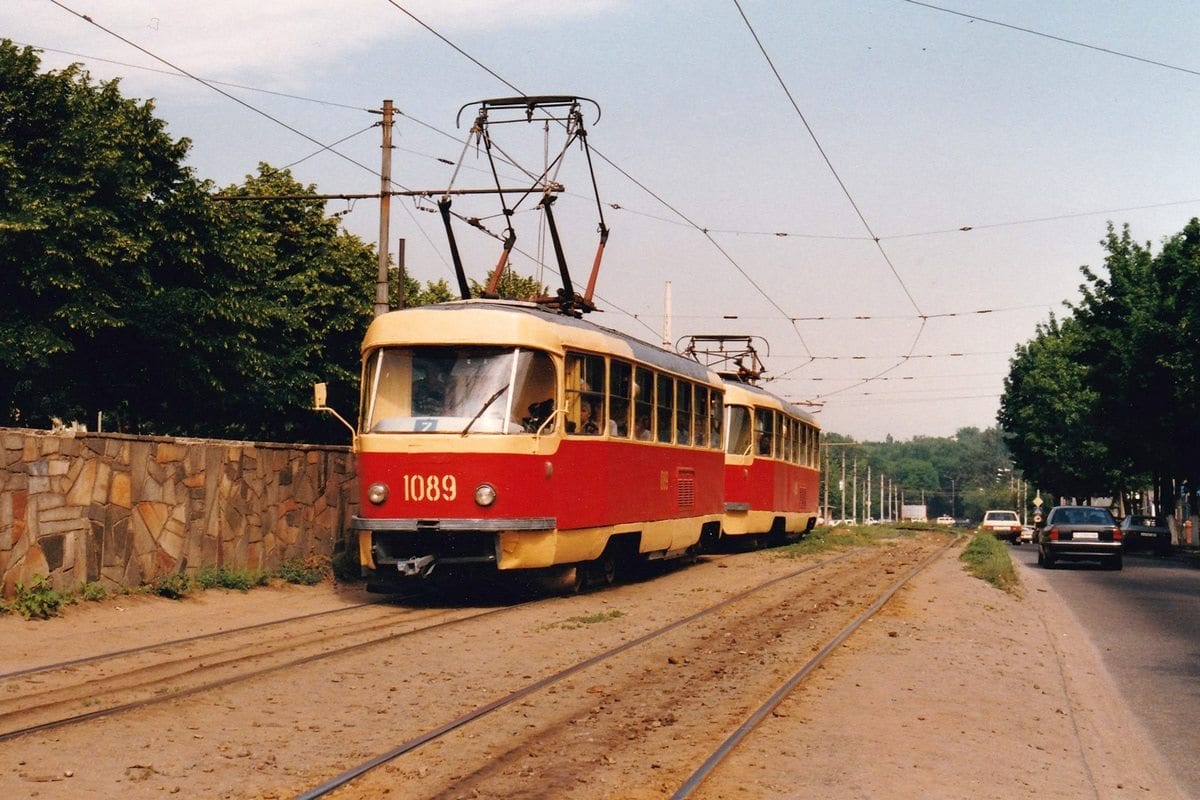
(1145, 622)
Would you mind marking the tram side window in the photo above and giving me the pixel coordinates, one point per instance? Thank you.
(664, 409)
(716, 416)
(789, 439)
(643, 405)
(765, 420)
(700, 415)
(683, 412)
(780, 436)
(585, 394)
(620, 385)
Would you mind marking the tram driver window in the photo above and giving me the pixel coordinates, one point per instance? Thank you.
(585, 394)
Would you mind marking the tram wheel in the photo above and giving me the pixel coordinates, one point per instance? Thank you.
(606, 568)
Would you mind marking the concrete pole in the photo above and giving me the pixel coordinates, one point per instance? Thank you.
(385, 212)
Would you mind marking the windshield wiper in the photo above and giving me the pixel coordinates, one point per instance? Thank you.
(486, 405)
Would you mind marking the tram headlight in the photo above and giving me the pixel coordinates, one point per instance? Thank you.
(485, 494)
(377, 493)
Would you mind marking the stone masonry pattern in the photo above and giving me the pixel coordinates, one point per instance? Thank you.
(124, 510)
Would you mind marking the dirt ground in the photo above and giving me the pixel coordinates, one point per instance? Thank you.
(955, 690)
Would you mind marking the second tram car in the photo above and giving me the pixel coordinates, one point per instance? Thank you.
(498, 436)
(772, 467)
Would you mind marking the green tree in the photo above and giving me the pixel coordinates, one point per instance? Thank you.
(97, 212)
(1107, 401)
(288, 305)
(1050, 409)
(129, 291)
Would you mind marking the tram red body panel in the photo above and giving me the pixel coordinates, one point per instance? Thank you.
(768, 485)
(582, 485)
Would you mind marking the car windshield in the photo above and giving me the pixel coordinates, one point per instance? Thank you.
(1144, 522)
(1002, 516)
(458, 390)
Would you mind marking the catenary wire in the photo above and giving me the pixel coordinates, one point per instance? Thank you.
(1052, 37)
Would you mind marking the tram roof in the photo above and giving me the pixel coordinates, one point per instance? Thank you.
(733, 386)
(524, 323)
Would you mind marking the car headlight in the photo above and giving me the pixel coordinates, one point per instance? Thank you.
(485, 494)
(377, 493)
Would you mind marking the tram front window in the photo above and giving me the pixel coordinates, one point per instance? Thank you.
(739, 429)
(458, 389)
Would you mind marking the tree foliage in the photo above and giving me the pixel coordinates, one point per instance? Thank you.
(961, 475)
(129, 291)
(133, 295)
(96, 214)
(1106, 401)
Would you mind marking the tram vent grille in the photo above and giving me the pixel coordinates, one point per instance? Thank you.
(686, 481)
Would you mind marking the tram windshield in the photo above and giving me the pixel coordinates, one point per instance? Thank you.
(739, 428)
(455, 389)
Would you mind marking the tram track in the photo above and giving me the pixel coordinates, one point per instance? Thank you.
(728, 656)
(577, 697)
(51, 696)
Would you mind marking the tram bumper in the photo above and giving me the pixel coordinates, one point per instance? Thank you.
(412, 548)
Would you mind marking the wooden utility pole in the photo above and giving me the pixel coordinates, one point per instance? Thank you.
(385, 212)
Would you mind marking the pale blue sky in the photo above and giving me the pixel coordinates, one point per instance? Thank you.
(933, 121)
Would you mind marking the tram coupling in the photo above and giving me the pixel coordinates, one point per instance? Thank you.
(416, 567)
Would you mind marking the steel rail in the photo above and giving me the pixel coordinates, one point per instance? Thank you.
(718, 755)
(185, 640)
(361, 769)
(218, 684)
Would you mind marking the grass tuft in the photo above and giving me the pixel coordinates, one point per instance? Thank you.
(822, 539)
(988, 559)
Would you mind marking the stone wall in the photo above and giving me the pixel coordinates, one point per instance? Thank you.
(124, 510)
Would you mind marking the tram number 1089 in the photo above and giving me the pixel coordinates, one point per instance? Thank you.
(418, 488)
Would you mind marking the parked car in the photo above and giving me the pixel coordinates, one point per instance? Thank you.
(1079, 532)
(1026, 534)
(945, 519)
(1140, 531)
(1002, 525)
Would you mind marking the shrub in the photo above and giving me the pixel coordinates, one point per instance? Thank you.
(345, 566)
(174, 586)
(307, 572)
(38, 600)
(225, 578)
(93, 592)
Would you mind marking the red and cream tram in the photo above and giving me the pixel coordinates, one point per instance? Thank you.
(772, 467)
(498, 436)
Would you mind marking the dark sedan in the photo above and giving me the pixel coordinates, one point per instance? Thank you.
(1145, 532)
(1084, 533)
